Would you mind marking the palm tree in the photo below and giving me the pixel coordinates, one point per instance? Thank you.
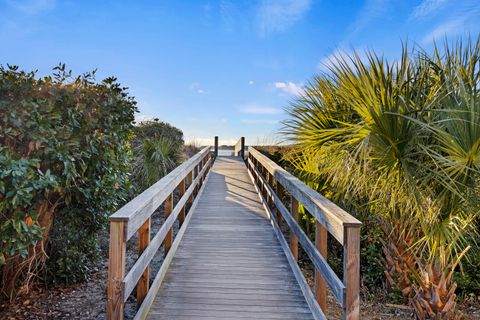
(154, 158)
(382, 133)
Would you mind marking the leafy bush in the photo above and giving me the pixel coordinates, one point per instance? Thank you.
(158, 148)
(64, 163)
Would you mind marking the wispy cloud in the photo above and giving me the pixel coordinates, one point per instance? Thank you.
(259, 121)
(327, 62)
(31, 6)
(427, 7)
(259, 109)
(290, 87)
(280, 15)
(195, 87)
(371, 10)
(462, 21)
(251, 82)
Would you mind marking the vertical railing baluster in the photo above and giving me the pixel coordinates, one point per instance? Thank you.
(321, 236)
(181, 192)
(279, 192)
(293, 237)
(143, 242)
(168, 208)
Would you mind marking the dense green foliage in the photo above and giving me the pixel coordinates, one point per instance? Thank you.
(65, 161)
(400, 142)
(158, 148)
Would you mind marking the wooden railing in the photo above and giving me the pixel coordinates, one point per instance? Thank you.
(239, 150)
(135, 217)
(272, 182)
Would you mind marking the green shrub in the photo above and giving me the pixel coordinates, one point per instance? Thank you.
(158, 148)
(65, 158)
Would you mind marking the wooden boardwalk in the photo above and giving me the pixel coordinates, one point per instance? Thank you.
(230, 258)
(229, 264)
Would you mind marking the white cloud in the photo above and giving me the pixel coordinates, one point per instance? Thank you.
(195, 87)
(427, 7)
(280, 15)
(463, 21)
(259, 121)
(31, 6)
(290, 87)
(258, 109)
(251, 82)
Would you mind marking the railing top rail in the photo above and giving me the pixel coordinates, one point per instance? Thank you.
(331, 216)
(141, 207)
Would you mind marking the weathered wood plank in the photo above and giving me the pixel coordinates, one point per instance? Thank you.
(332, 217)
(317, 313)
(143, 242)
(351, 274)
(116, 270)
(157, 282)
(141, 207)
(321, 236)
(229, 263)
(337, 286)
(142, 262)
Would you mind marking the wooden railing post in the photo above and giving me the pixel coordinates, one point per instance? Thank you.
(181, 192)
(293, 237)
(242, 146)
(143, 242)
(351, 273)
(190, 181)
(116, 270)
(216, 147)
(279, 192)
(321, 236)
(168, 208)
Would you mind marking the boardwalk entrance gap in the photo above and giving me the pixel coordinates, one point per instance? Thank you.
(230, 259)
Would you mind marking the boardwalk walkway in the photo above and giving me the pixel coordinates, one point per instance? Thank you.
(230, 258)
(229, 264)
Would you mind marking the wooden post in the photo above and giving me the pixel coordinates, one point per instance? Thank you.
(167, 211)
(351, 273)
(270, 183)
(181, 192)
(293, 237)
(190, 181)
(242, 150)
(143, 242)
(116, 270)
(321, 236)
(279, 192)
(216, 147)
(194, 176)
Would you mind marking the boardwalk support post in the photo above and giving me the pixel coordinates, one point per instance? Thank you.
(116, 270)
(216, 147)
(242, 150)
(239, 148)
(351, 274)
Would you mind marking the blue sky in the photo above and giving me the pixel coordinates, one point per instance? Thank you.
(223, 68)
